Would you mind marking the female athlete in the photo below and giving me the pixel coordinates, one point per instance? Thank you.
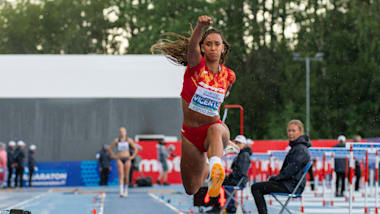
(206, 83)
(123, 158)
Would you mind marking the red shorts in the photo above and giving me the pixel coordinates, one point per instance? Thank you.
(2, 177)
(197, 135)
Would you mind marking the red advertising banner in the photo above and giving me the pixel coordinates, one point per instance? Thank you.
(150, 166)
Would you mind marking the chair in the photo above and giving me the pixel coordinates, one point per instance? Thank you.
(231, 194)
(292, 195)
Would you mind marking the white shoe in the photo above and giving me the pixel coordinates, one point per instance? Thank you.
(125, 193)
(231, 148)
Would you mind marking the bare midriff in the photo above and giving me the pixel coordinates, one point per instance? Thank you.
(123, 154)
(194, 119)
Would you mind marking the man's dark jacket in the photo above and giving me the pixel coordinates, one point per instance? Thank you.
(340, 163)
(240, 167)
(10, 157)
(294, 164)
(104, 159)
(19, 156)
(31, 159)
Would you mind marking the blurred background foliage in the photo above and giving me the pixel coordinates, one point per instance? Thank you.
(345, 86)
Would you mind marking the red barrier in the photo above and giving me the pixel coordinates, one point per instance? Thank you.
(150, 165)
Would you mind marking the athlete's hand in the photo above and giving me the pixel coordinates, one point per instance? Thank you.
(204, 21)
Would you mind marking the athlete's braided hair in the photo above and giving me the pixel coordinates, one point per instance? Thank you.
(176, 50)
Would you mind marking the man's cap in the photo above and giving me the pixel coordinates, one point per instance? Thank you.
(240, 139)
(20, 143)
(342, 138)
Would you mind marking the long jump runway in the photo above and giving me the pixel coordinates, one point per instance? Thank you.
(156, 199)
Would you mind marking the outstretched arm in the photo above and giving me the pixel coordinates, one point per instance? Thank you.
(194, 51)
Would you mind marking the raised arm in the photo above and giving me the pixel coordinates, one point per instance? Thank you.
(194, 51)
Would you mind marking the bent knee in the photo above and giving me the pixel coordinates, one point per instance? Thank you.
(191, 190)
(216, 129)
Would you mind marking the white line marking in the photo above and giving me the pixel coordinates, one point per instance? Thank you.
(26, 201)
(102, 199)
(168, 205)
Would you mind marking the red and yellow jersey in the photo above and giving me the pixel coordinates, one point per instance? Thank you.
(204, 90)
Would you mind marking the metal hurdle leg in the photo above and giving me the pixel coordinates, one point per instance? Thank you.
(232, 195)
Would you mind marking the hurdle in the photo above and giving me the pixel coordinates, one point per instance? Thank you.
(372, 149)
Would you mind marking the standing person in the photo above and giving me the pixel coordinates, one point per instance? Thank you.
(291, 171)
(10, 162)
(123, 158)
(206, 83)
(19, 163)
(3, 163)
(358, 171)
(340, 168)
(104, 164)
(31, 162)
(163, 154)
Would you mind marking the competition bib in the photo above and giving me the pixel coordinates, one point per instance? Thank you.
(206, 102)
(123, 146)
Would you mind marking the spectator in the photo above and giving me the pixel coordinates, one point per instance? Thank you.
(163, 154)
(31, 162)
(357, 139)
(358, 172)
(240, 167)
(340, 168)
(240, 164)
(3, 163)
(19, 163)
(291, 170)
(10, 162)
(104, 158)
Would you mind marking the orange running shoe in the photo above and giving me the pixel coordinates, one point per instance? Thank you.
(215, 180)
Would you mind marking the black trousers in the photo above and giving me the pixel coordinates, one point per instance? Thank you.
(31, 172)
(10, 172)
(340, 179)
(263, 188)
(357, 182)
(311, 174)
(104, 176)
(19, 176)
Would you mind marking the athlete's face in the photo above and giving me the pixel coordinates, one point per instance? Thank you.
(294, 132)
(123, 132)
(212, 47)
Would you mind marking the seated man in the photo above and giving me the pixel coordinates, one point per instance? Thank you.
(291, 170)
(240, 166)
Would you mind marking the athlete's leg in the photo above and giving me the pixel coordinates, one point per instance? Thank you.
(216, 140)
(127, 167)
(218, 136)
(194, 169)
(120, 170)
